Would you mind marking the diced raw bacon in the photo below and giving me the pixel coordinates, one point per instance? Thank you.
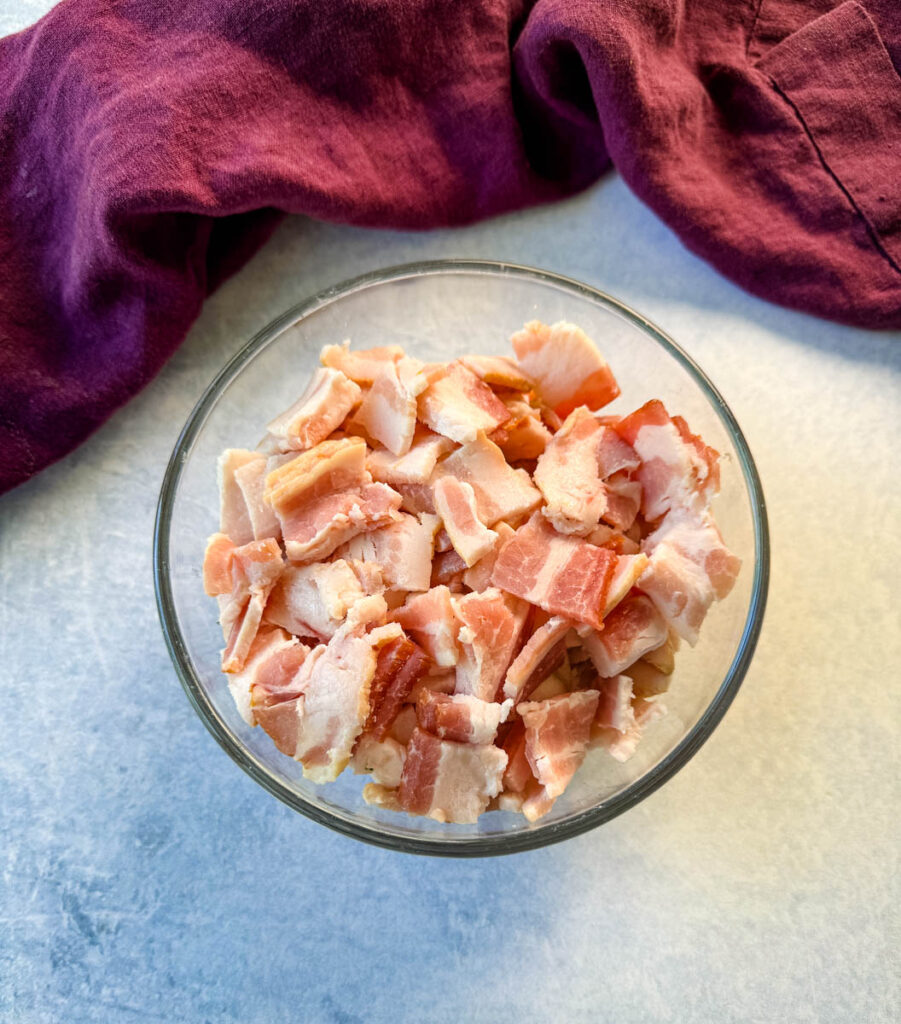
(647, 680)
(388, 411)
(458, 405)
(234, 520)
(698, 539)
(623, 502)
(447, 567)
(257, 565)
(615, 704)
(680, 589)
(500, 371)
(568, 475)
(336, 703)
(217, 565)
(614, 454)
(460, 717)
(403, 550)
(251, 479)
(455, 502)
(563, 575)
(478, 577)
(363, 366)
(709, 455)
(313, 600)
(243, 632)
(632, 629)
(567, 366)
(524, 435)
(432, 622)
(317, 530)
(414, 467)
(622, 746)
(383, 759)
(557, 735)
(268, 644)
(329, 467)
(673, 473)
(400, 666)
(329, 397)
(542, 654)
(626, 573)
(501, 491)
(492, 624)
(447, 781)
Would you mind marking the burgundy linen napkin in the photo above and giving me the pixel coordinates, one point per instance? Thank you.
(147, 148)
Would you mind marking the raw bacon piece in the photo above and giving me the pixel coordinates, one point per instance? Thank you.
(316, 531)
(568, 475)
(523, 436)
(361, 367)
(632, 629)
(563, 575)
(680, 589)
(478, 577)
(329, 397)
(432, 622)
(626, 573)
(542, 654)
(234, 520)
(501, 491)
(697, 538)
(447, 781)
(557, 735)
(416, 498)
(499, 371)
(414, 467)
(243, 632)
(455, 502)
(388, 410)
(403, 550)
(286, 656)
(492, 624)
(251, 480)
(313, 600)
(458, 405)
(217, 565)
(401, 664)
(383, 759)
(257, 565)
(673, 473)
(566, 364)
(460, 717)
(336, 702)
(615, 704)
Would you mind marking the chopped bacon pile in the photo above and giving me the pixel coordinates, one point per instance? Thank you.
(458, 578)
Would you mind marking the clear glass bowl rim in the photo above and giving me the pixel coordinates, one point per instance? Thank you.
(448, 845)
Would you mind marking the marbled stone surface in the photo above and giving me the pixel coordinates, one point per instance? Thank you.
(146, 878)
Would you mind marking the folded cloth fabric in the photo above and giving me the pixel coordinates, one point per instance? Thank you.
(147, 147)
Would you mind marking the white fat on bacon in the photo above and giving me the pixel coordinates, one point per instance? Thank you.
(431, 621)
(455, 502)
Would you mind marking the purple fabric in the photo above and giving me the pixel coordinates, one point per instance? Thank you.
(148, 147)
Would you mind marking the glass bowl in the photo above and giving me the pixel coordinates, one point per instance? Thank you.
(437, 311)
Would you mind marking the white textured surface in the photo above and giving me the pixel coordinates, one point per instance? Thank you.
(146, 878)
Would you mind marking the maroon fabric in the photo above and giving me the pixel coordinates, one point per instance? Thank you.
(148, 146)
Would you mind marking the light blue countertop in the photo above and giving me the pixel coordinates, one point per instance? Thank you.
(146, 878)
